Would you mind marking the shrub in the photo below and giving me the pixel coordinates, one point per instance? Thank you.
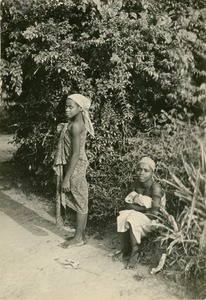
(186, 242)
(128, 57)
(110, 181)
(4, 120)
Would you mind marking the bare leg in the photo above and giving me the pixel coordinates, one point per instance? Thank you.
(79, 237)
(84, 236)
(135, 248)
(125, 251)
(70, 229)
(126, 246)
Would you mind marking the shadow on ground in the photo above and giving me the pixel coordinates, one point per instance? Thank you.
(27, 218)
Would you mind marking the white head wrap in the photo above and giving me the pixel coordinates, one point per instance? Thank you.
(147, 160)
(85, 104)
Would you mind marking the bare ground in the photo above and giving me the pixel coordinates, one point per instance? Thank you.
(34, 267)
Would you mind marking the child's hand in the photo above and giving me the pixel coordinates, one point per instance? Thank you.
(66, 185)
(130, 197)
(130, 201)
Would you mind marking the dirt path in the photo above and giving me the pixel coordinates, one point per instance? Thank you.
(33, 266)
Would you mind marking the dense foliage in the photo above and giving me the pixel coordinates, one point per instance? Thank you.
(143, 65)
(141, 57)
(185, 238)
(140, 62)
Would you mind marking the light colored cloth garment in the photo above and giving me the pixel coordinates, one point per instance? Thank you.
(138, 221)
(77, 198)
(147, 160)
(140, 199)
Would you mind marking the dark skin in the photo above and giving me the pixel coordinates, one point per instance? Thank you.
(74, 113)
(145, 185)
(151, 189)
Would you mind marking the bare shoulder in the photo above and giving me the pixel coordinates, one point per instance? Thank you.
(76, 129)
(156, 189)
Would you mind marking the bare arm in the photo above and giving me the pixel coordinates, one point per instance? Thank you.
(135, 206)
(76, 131)
(156, 199)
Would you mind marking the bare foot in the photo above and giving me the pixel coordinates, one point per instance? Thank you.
(68, 238)
(73, 242)
(133, 260)
(71, 237)
(122, 255)
(117, 256)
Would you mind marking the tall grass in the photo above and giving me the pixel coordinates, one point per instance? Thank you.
(186, 241)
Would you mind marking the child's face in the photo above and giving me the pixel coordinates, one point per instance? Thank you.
(144, 172)
(72, 108)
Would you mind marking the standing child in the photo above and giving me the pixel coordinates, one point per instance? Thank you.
(70, 165)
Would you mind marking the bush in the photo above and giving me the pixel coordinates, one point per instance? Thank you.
(128, 57)
(186, 241)
(4, 121)
(110, 180)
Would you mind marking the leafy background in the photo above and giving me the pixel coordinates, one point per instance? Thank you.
(143, 64)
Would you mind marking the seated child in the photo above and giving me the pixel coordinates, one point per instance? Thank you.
(142, 206)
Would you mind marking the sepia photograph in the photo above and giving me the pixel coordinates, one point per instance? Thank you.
(103, 150)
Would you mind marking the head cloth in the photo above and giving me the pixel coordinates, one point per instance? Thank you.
(147, 160)
(85, 104)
